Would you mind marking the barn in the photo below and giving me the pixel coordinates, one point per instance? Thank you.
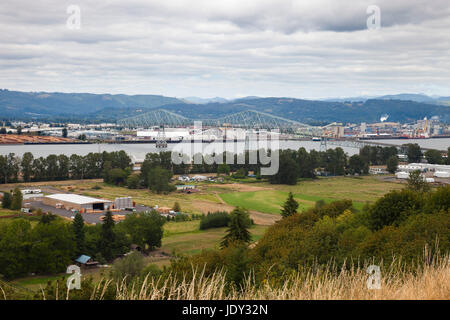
(77, 202)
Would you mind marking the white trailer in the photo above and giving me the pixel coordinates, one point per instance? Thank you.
(442, 174)
(402, 175)
(123, 203)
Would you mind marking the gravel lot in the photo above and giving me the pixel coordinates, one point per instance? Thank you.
(91, 218)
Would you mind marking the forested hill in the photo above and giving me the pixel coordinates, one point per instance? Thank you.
(107, 107)
(311, 111)
(22, 105)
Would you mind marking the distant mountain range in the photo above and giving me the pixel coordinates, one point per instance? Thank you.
(402, 96)
(16, 104)
(108, 107)
(198, 100)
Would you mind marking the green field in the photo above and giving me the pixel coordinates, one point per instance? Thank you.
(360, 190)
(269, 201)
(195, 241)
(7, 212)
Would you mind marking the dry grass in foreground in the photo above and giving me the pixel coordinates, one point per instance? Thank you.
(429, 281)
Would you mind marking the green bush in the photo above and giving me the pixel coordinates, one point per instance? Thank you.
(133, 181)
(215, 220)
(394, 208)
(6, 201)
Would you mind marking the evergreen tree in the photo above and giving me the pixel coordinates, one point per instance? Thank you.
(434, 157)
(6, 202)
(107, 236)
(357, 165)
(288, 169)
(16, 202)
(290, 206)
(159, 180)
(78, 229)
(414, 152)
(238, 228)
(27, 166)
(176, 207)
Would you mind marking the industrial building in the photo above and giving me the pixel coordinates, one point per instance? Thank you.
(440, 170)
(76, 202)
(427, 169)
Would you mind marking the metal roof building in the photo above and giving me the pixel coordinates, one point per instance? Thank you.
(74, 201)
(83, 259)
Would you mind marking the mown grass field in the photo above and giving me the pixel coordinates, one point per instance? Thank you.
(269, 201)
(358, 189)
(187, 238)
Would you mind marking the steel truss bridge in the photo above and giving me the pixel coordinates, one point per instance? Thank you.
(248, 119)
(155, 118)
(354, 143)
(244, 119)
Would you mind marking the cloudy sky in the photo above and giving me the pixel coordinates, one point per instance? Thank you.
(227, 48)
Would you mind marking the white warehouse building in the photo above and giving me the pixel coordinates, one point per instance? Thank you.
(74, 201)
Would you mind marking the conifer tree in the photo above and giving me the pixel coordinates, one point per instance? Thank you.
(6, 201)
(78, 229)
(238, 228)
(290, 206)
(16, 202)
(108, 236)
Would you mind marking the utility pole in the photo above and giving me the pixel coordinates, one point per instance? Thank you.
(161, 140)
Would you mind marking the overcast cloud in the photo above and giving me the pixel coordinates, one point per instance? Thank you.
(228, 48)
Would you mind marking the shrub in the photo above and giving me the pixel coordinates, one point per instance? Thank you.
(216, 219)
(133, 181)
(394, 207)
(332, 209)
(131, 265)
(182, 217)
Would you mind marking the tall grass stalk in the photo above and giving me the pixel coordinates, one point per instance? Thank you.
(429, 279)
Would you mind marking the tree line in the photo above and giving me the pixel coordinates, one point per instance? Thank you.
(51, 244)
(61, 167)
(158, 168)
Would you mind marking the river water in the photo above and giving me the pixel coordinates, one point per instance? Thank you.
(138, 151)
